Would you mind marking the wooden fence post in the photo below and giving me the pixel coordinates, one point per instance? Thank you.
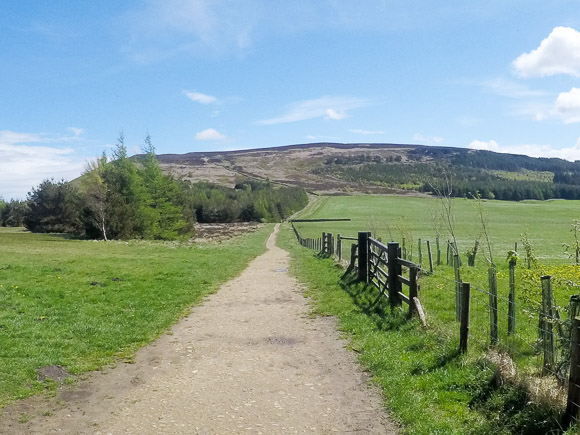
(420, 253)
(430, 256)
(574, 309)
(457, 287)
(323, 243)
(573, 405)
(413, 289)
(332, 245)
(363, 255)
(493, 330)
(472, 255)
(339, 247)
(438, 251)
(546, 324)
(512, 298)
(448, 253)
(464, 325)
(393, 273)
(353, 249)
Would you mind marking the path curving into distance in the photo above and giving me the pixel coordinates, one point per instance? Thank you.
(250, 359)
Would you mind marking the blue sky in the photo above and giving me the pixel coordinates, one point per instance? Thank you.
(202, 75)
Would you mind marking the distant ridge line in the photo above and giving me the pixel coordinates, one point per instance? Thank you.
(302, 146)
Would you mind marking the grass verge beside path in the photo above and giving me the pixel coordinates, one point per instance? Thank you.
(428, 386)
(82, 304)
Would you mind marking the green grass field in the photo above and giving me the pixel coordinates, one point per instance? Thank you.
(546, 222)
(81, 304)
(431, 372)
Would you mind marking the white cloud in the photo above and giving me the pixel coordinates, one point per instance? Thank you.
(427, 139)
(210, 134)
(328, 107)
(367, 132)
(565, 108)
(200, 98)
(533, 150)
(26, 160)
(490, 145)
(77, 132)
(559, 53)
(333, 114)
(568, 105)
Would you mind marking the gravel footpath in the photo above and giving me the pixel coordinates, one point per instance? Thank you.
(248, 360)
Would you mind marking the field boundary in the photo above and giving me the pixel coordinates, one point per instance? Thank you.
(381, 265)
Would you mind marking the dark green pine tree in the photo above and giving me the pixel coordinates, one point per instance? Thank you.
(127, 200)
(53, 207)
(164, 192)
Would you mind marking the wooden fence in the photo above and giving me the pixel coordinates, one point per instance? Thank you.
(377, 264)
(383, 267)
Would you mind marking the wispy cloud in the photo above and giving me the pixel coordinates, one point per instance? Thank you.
(427, 139)
(508, 88)
(367, 132)
(327, 107)
(210, 134)
(164, 28)
(559, 53)
(28, 158)
(198, 97)
(321, 138)
(571, 153)
(565, 108)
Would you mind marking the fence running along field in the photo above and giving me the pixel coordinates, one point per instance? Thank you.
(536, 337)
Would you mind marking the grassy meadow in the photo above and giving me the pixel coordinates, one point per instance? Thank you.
(82, 304)
(547, 223)
(428, 385)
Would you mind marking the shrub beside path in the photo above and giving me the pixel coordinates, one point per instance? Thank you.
(249, 359)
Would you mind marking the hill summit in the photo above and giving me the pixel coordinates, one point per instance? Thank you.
(384, 168)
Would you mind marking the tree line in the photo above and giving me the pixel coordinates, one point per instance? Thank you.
(124, 198)
(471, 173)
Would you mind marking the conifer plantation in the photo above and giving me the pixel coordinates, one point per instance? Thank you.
(127, 198)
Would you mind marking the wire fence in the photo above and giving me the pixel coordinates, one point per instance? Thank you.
(530, 339)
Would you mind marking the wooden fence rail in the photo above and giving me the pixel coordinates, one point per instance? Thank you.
(385, 267)
(377, 264)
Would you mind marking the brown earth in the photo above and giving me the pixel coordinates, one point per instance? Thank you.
(249, 359)
(221, 232)
(288, 165)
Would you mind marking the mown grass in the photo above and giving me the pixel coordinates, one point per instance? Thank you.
(429, 387)
(546, 222)
(82, 304)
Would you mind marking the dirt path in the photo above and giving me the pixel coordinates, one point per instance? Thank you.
(248, 360)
